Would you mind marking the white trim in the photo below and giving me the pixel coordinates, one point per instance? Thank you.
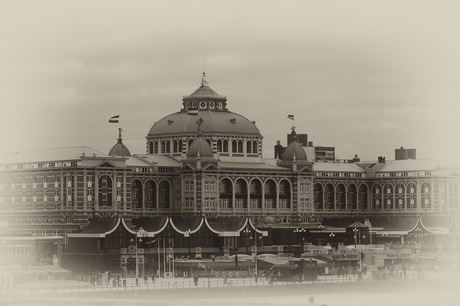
(209, 227)
(264, 233)
(114, 228)
(183, 232)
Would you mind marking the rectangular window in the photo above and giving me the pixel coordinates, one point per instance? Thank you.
(239, 203)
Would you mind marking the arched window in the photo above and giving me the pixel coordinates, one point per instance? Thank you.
(248, 147)
(234, 146)
(180, 146)
(163, 194)
(240, 146)
(219, 145)
(255, 147)
(225, 145)
(168, 147)
(175, 148)
(163, 147)
(155, 147)
(150, 147)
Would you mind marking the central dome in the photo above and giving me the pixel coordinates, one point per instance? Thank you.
(218, 123)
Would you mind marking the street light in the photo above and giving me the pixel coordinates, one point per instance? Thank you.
(141, 232)
(355, 231)
(255, 254)
(187, 234)
(331, 235)
(320, 233)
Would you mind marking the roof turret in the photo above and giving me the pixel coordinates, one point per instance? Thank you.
(119, 149)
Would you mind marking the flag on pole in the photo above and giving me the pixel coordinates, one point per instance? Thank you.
(192, 112)
(291, 117)
(114, 119)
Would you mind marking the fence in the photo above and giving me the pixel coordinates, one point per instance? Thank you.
(163, 284)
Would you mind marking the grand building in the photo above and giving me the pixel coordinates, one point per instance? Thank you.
(205, 162)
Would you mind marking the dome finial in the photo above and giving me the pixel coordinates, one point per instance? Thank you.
(203, 80)
(199, 122)
(119, 134)
(293, 134)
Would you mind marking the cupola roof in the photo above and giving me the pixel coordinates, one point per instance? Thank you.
(119, 149)
(294, 150)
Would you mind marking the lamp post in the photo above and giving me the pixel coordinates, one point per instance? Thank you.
(255, 255)
(247, 232)
(331, 236)
(141, 232)
(355, 231)
(187, 234)
(320, 233)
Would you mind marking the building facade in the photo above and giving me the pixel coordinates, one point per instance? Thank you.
(206, 161)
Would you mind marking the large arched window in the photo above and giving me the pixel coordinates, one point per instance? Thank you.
(241, 194)
(225, 194)
(340, 197)
(155, 147)
(377, 197)
(255, 146)
(352, 202)
(284, 194)
(362, 197)
(255, 191)
(270, 194)
(411, 195)
(249, 147)
(150, 147)
(150, 194)
(426, 195)
(136, 194)
(388, 196)
(164, 189)
(318, 196)
(329, 196)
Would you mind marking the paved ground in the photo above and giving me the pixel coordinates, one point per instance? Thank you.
(420, 292)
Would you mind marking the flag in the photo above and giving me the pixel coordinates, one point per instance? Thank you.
(114, 119)
(192, 112)
(291, 117)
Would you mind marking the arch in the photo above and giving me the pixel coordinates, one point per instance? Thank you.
(377, 197)
(400, 196)
(329, 196)
(255, 147)
(270, 194)
(189, 142)
(150, 194)
(352, 196)
(425, 192)
(249, 147)
(155, 147)
(219, 145)
(150, 147)
(164, 189)
(175, 146)
(318, 199)
(105, 190)
(240, 146)
(388, 192)
(168, 146)
(225, 145)
(137, 199)
(340, 199)
(411, 195)
(284, 194)
(234, 146)
(241, 193)
(225, 193)
(363, 196)
(255, 193)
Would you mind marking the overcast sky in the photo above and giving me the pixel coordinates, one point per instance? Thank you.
(364, 76)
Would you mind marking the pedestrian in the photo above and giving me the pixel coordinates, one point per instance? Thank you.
(153, 278)
(195, 279)
(146, 279)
